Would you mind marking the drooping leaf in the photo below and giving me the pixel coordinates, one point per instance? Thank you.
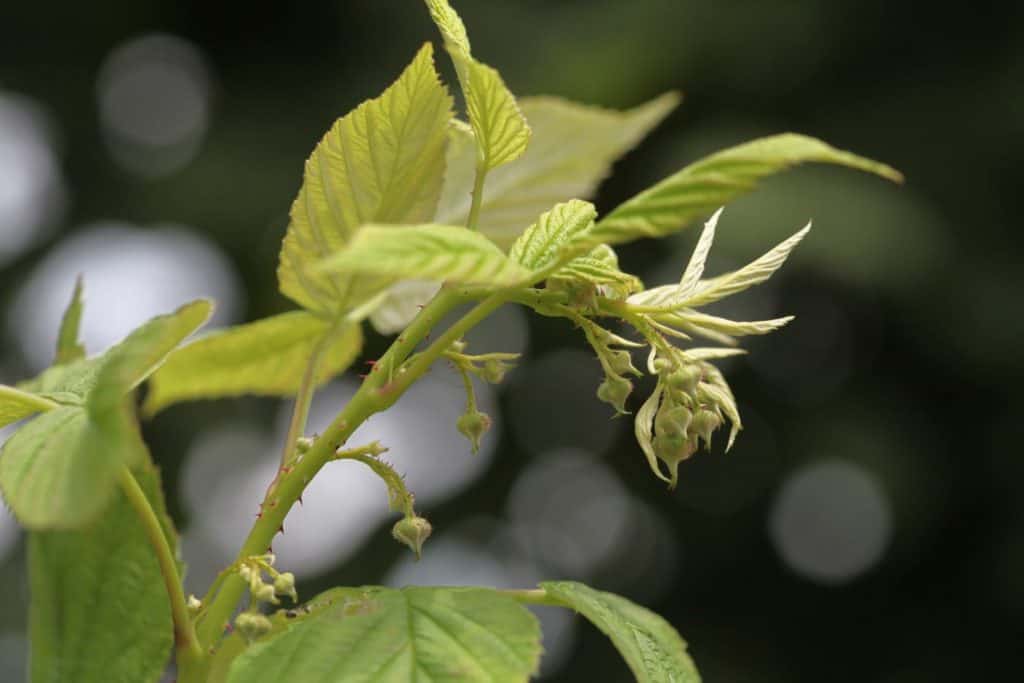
(705, 185)
(572, 148)
(60, 470)
(500, 129)
(17, 405)
(754, 273)
(426, 252)
(99, 611)
(69, 349)
(652, 648)
(555, 232)
(643, 427)
(380, 635)
(267, 357)
(382, 163)
(600, 267)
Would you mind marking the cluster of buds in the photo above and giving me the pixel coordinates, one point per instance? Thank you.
(491, 368)
(251, 623)
(690, 402)
(616, 363)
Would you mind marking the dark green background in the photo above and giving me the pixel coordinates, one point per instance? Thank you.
(906, 355)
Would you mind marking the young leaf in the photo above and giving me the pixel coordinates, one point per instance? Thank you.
(384, 163)
(643, 427)
(572, 148)
(17, 405)
(99, 611)
(695, 268)
(75, 380)
(266, 357)
(69, 349)
(60, 470)
(501, 131)
(754, 273)
(438, 252)
(547, 240)
(700, 322)
(391, 636)
(712, 182)
(600, 267)
(652, 648)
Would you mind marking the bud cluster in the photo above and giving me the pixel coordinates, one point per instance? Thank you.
(261, 590)
(616, 363)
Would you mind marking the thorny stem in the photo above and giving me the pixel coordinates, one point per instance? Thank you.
(392, 375)
(186, 645)
(303, 399)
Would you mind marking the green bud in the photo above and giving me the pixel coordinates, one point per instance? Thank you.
(621, 362)
(615, 390)
(194, 604)
(303, 444)
(252, 625)
(672, 450)
(264, 593)
(662, 365)
(685, 379)
(494, 371)
(458, 346)
(672, 420)
(284, 584)
(473, 425)
(705, 422)
(412, 532)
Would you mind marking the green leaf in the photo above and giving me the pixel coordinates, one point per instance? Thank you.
(136, 357)
(643, 427)
(72, 382)
(69, 349)
(600, 267)
(382, 163)
(712, 182)
(436, 252)
(380, 635)
(572, 148)
(501, 131)
(60, 470)
(401, 304)
(99, 610)
(652, 648)
(267, 357)
(17, 405)
(545, 242)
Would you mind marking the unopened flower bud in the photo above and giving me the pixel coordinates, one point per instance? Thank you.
(473, 425)
(284, 584)
(621, 362)
(265, 593)
(252, 625)
(672, 450)
(194, 604)
(615, 390)
(662, 365)
(494, 371)
(705, 422)
(412, 532)
(303, 444)
(672, 420)
(458, 346)
(685, 379)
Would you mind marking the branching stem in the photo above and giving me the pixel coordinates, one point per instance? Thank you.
(303, 399)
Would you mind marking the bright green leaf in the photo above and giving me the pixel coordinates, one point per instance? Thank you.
(652, 648)
(60, 470)
(382, 163)
(546, 241)
(139, 354)
(714, 181)
(600, 267)
(380, 635)
(17, 405)
(99, 610)
(441, 252)
(572, 148)
(69, 349)
(267, 357)
(75, 379)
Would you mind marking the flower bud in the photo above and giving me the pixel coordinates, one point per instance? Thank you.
(252, 625)
(672, 450)
(705, 422)
(672, 420)
(494, 371)
(615, 390)
(685, 379)
(621, 362)
(265, 593)
(473, 425)
(662, 365)
(284, 584)
(303, 444)
(194, 604)
(412, 532)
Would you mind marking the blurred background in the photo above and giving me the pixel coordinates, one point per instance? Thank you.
(866, 527)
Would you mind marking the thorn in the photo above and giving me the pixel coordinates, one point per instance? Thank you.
(300, 500)
(228, 628)
(372, 363)
(280, 529)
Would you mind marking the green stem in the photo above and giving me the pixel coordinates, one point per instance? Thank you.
(391, 376)
(37, 402)
(478, 197)
(303, 399)
(186, 645)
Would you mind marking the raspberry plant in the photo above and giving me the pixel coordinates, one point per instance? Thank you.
(406, 214)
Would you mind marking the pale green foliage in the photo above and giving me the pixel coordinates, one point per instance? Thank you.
(266, 357)
(714, 181)
(502, 132)
(599, 268)
(421, 252)
(643, 428)
(572, 148)
(544, 243)
(99, 613)
(391, 636)
(68, 347)
(383, 163)
(652, 648)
